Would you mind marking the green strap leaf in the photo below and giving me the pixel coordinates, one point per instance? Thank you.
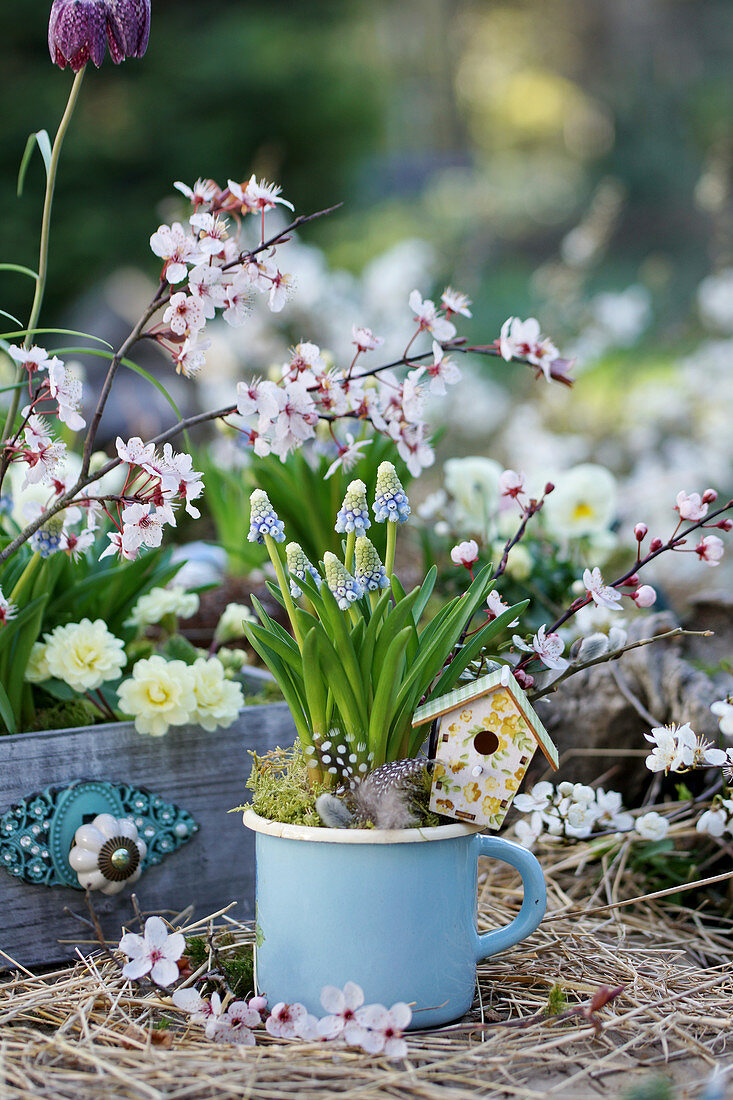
(20, 269)
(41, 139)
(6, 711)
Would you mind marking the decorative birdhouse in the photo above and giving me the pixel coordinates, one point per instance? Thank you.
(487, 736)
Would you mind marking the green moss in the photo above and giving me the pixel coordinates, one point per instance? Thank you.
(556, 1001)
(61, 716)
(237, 966)
(280, 787)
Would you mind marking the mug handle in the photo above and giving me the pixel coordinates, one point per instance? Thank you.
(535, 895)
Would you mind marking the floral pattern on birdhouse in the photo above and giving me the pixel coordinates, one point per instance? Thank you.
(484, 747)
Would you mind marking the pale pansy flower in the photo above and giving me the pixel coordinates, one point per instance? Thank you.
(156, 953)
(652, 826)
(429, 319)
(601, 593)
(583, 502)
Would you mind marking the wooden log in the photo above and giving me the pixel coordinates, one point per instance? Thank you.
(203, 773)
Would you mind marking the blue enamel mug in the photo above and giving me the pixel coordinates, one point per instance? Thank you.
(392, 910)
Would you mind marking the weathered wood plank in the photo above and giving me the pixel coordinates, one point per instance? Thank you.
(202, 772)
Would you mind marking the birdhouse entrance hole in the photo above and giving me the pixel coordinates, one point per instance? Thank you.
(486, 742)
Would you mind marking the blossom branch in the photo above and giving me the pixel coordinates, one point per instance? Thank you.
(613, 654)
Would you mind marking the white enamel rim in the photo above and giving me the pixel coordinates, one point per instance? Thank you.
(355, 836)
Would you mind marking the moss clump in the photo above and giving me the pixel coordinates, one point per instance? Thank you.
(62, 716)
(280, 787)
(236, 966)
(556, 1001)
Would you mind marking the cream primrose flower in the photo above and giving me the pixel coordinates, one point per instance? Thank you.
(218, 700)
(583, 502)
(152, 607)
(229, 627)
(159, 694)
(37, 670)
(84, 655)
(652, 826)
(156, 953)
(601, 593)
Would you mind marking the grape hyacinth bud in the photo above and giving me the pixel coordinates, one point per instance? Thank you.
(369, 571)
(343, 586)
(80, 31)
(640, 532)
(354, 512)
(263, 519)
(644, 596)
(390, 499)
(298, 565)
(47, 539)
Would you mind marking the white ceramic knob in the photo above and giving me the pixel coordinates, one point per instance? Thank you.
(107, 854)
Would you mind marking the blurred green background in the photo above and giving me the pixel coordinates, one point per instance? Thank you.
(540, 145)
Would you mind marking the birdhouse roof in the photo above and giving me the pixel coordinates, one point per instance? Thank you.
(485, 685)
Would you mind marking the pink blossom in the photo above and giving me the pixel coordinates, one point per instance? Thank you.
(184, 314)
(176, 248)
(281, 287)
(365, 339)
(75, 544)
(237, 300)
(283, 1020)
(205, 284)
(67, 391)
(548, 647)
(41, 453)
(690, 506)
(141, 527)
(429, 319)
(33, 359)
(523, 339)
(465, 553)
(441, 370)
(203, 191)
(710, 550)
(259, 196)
(156, 952)
(191, 356)
(178, 476)
(256, 398)
(342, 1007)
(453, 301)
(645, 596)
(212, 232)
(602, 594)
(349, 454)
(497, 606)
(119, 547)
(8, 610)
(384, 1028)
(512, 484)
(296, 418)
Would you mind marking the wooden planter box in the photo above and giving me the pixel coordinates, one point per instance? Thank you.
(202, 773)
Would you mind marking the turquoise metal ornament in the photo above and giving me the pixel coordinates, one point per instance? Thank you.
(37, 834)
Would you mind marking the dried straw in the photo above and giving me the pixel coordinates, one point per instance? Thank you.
(85, 1034)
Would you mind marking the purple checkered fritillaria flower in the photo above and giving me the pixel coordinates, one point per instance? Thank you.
(80, 31)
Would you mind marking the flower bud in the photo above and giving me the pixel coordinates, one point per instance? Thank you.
(655, 544)
(724, 525)
(80, 31)
(640, 532)
(632, 581)
(644, 596)
(709, 496)
(523, 679)
(549, 488)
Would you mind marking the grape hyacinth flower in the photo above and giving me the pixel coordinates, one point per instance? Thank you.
(47, 539)
(353, 516)
(369, 571)
(263, 519)
(343, 586)
(298, 565)
(81, 30)
(390, 499)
